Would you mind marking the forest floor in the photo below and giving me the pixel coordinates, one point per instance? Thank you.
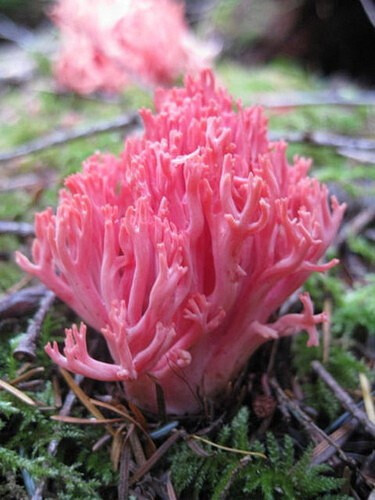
(301, 421)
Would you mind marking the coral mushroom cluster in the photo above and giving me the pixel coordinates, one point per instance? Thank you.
(181, 249)
(105, 44)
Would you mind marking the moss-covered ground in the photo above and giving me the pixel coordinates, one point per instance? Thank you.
(85, 463)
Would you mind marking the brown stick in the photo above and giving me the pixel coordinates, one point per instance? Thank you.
(323, 451)
(21, 302)
(356, 225)
(170, 489)
(60, 137)
(344, 398)
(139, 473)
(26, 349)
(316, 433)
(123, 486)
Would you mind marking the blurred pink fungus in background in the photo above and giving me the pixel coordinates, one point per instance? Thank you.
(107, 44)
(181, 249)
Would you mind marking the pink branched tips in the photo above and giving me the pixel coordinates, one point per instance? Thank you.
(294, 323)
(77, 359)
(181, 249)
(124, 41)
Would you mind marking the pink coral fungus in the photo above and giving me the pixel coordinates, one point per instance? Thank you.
(108, 43)
(181, 249)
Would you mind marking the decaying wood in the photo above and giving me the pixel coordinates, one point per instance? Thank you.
(27, 347)
(139, 473)
(344, 398)
(316, 434)
(356, 224)
(324, 450)
(123, 486)
(21, 302)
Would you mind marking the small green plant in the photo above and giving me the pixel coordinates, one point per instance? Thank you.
(353, 313)
(74, 472)
(25, 434)
(342, 365)
(224, 474)
(357, 309)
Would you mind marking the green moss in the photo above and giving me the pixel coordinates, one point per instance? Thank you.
(351, 309)
(134, 97)
(14, 204)
(26, 432)
(68, 158)
(8, 243)
(240, 25)
(357, 308)
(283, 474)
(328, 285)
(361, 246)
(323, 118)
(77, 472)
(10, 274)
(246, 83)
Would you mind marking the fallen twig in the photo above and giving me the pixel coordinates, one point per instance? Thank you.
(22, 229)
(170, 489)
(362, 156)
(27, 346)
(323, 451)
(85, 421)
(60, 137)
(320, 98)
(294, 409)
(356, 225)
(327, 330)
(367, 397)
(27, 375)
(139, 473)
(344, 398)
(126, 416)
(320, 138)
(123, 485)
(316, 433)
(137, 449)
(21, 302)
(17, 393)
(84, 399)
